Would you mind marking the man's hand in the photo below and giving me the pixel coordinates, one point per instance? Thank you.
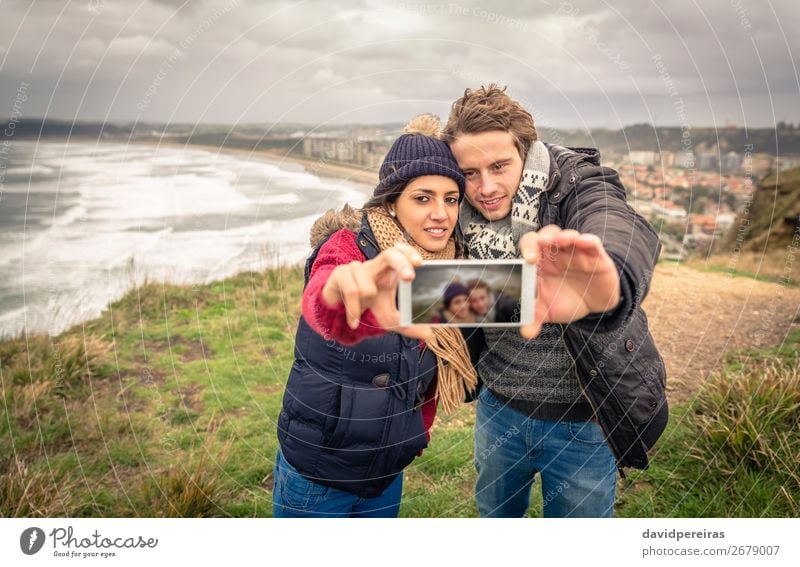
(575, 276)
(373, 285)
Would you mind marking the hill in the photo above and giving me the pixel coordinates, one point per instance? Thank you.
(166, 405)
(785, 139)
(771, 220)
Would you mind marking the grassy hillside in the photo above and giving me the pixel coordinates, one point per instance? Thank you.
(764, 226)
(166, 405)
(763, 242)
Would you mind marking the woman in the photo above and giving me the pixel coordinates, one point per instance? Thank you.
(456, 306)
(359, 400)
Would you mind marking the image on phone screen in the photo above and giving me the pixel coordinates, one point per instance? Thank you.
(467, 293)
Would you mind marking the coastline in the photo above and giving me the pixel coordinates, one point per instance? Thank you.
(280, 157)
(327, 169)
(352, 184)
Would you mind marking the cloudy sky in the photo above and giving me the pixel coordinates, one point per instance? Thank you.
(574, 64)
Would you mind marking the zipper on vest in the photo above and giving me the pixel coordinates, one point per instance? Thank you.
(418, 397)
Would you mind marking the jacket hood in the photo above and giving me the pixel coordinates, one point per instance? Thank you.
(562, 155)
(562, 159)
(332, 221)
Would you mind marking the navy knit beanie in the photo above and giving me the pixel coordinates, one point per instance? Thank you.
(416, 153)
(453, 290)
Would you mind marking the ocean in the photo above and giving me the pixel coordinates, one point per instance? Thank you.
(83, 223)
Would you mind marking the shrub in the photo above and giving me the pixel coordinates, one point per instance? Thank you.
(749, 418)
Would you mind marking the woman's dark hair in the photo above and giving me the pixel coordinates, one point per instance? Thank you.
(385, 196)
(388, 195)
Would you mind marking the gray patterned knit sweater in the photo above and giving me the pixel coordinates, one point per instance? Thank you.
(536, 377)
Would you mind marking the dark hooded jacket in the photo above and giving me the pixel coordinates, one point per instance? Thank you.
(619, 367)
(620, 371)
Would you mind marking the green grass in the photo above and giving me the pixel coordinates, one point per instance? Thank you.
(733, 450)
(440, 483)
(166, 405)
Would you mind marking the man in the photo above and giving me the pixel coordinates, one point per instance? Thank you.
(579, 394)
(488, 307)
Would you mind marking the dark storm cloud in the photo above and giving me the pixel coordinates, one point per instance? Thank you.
(575, 64)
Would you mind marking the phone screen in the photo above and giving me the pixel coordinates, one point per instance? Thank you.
(466, 293)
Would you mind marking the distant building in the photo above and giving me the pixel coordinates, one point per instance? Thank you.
(703, 224)
(667, 159)
(731, 162)
(667, 209)
(368, 153)
(642, 157)
(364, 133)
(685, 159)
(708, 160)
(725, 220)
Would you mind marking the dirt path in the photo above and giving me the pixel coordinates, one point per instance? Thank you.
(698, 317)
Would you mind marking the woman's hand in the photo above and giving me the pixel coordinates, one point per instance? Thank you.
(575, 277)
(373, 285)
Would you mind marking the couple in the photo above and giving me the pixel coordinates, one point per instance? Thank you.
(475, 302)
(575, 396)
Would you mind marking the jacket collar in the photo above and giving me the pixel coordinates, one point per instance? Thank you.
(564, 173)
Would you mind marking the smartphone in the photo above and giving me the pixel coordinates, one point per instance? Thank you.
(469, 293)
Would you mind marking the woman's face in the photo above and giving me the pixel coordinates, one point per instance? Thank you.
(428, 210)
(459, 306)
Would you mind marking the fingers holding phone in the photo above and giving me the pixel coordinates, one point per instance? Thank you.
(372, 285)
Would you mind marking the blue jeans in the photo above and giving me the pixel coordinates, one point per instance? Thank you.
(578, 470)
(294, 496)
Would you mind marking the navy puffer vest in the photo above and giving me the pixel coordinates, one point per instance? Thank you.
(351, 416)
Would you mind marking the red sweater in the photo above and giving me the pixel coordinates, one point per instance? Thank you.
(331, 322)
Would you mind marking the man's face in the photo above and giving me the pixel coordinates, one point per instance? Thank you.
(492, 167)
(479, 301)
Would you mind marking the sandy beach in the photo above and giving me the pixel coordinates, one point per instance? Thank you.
(325, 168)
(320, 167)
